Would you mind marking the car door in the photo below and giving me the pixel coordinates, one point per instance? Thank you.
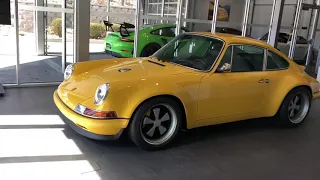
(240, 92)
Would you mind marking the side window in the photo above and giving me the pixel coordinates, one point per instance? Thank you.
(301, 40)
(265, 37)
(169, 32)
(247, 58)
(227, 57)
(243, 58)
(275, 62)
(284, 38)
(157, 32)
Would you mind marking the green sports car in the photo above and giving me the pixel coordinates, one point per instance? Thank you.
(120, 42)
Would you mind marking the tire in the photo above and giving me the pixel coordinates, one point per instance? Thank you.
(156, 123)
(149, 50)
(294, 108)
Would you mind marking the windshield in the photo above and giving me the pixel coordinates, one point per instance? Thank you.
(194, 51)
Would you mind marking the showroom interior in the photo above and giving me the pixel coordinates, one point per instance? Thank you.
(45, 36)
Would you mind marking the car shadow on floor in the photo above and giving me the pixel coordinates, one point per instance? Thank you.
(189, 137)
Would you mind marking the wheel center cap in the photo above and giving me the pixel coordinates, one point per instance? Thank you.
(157, 123)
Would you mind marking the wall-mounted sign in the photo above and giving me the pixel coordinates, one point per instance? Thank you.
(5, 16)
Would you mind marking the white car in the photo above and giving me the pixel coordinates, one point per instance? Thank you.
(301, 48)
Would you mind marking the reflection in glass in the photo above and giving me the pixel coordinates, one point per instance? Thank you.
(193, 51)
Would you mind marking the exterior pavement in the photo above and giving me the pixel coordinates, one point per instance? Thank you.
(36, 144)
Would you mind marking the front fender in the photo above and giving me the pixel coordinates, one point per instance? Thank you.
(82, 67)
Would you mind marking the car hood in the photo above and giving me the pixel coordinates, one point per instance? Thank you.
(84, 84)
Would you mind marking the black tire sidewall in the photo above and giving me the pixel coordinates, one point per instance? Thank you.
(147, 47)
(283, 115)
(134, 127)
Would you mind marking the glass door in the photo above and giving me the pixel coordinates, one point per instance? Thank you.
(8, 50)
(45, 38)
(39, 43)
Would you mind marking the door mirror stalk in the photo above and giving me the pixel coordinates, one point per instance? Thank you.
(226, 67)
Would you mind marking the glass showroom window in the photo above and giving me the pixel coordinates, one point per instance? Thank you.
(155, 9)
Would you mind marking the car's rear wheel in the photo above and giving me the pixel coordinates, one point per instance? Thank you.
(295, 107)
(149, 50)
(156, 123)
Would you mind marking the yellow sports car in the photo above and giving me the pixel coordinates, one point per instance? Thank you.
(197, 79)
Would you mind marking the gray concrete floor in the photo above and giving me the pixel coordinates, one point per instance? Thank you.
(36, 144)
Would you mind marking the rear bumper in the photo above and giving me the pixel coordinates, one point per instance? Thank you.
(110, 129)
(119, 49)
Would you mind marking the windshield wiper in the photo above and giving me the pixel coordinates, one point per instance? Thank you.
(160, 60)
(156, 63)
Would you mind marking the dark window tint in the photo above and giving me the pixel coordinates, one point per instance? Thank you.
(283, 38)
(276, 62)
(194, 51)
(247, 58)
(301, 40)
(168, 32)
(265, 37)
(226, 57)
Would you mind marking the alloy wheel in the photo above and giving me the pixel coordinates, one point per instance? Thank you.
(159, 124)
(298, 108)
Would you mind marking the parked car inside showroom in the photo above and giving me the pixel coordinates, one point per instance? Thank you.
(152, 37)
(301, 48)
(197, 79)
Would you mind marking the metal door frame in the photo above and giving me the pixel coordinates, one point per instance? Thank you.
(16, 25)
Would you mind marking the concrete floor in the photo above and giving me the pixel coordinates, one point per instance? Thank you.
(36, 144)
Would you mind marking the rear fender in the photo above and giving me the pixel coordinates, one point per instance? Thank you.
(276, 96)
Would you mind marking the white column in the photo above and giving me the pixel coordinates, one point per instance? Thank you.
(64, 37)
(16, 26)
(215, 16)
(81, 30)
(245, 17)
(178, 17)
(39, 28)
(162, 10)
(137, 25)
(275, 22)
(295, 29)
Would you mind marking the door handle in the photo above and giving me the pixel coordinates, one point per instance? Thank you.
(264, 81)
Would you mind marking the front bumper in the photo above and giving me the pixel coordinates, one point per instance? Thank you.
(92, 128)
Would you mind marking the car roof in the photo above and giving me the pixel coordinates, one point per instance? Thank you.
(233, 39)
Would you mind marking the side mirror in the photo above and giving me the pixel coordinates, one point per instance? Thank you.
(226, 67)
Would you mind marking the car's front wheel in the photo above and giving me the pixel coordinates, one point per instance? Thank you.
(295, 107)
(156, 123)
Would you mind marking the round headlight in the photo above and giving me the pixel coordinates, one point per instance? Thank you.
(101, 94)
(68, 72)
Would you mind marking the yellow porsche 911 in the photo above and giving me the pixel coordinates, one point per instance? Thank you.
(198, 79)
